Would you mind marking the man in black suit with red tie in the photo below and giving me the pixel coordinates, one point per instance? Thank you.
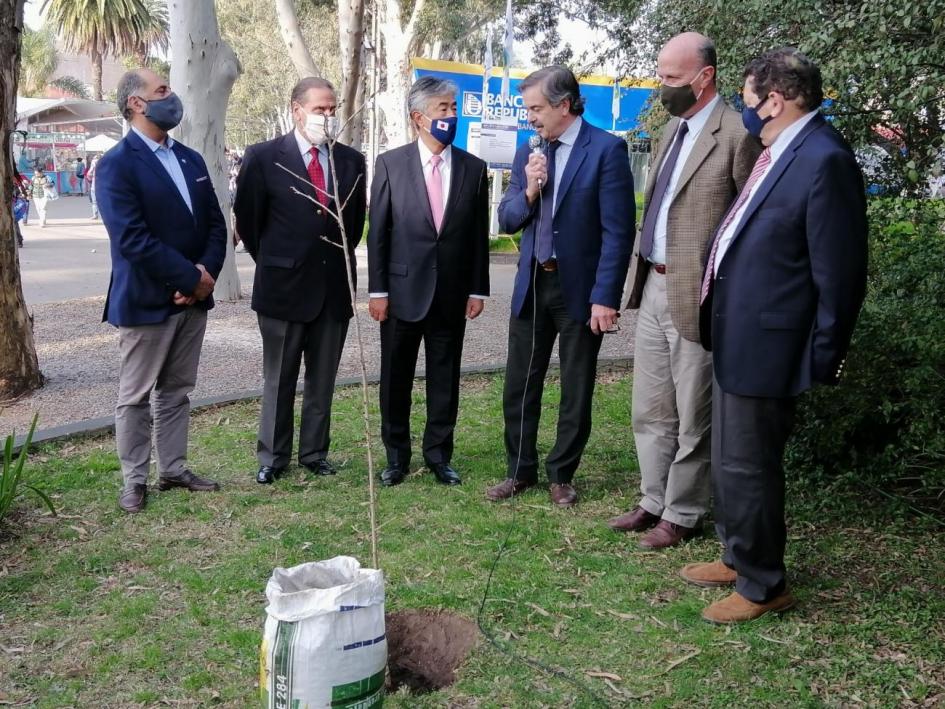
(428, 269)
(784, 282)
(300, 291)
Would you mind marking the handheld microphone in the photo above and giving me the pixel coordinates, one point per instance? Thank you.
(538, 148)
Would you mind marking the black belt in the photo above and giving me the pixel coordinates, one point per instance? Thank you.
(550, 265)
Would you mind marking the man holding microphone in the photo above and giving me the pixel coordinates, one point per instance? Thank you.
(575, 206)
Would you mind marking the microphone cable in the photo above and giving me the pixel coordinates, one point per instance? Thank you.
(487, 633)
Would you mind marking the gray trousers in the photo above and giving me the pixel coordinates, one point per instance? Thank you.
(285, 344)
(748, 439)
(162, 358)
(672, 412)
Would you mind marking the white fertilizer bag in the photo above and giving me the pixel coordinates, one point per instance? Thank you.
(324, 642)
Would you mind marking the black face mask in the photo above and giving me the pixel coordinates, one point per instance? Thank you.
(677, 100)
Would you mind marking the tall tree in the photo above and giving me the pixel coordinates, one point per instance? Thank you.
(883, 62)
(202, 74)
(19, 367)
(37, 61)
(155, 34)
(259, 104)
(100, 28)
(350, 38)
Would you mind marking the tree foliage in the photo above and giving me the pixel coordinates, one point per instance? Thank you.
(106, 27)
(37, 62)
(259, 103)
(883, 61)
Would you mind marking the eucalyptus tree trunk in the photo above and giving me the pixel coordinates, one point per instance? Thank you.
(351, 40)
(19, 367)
(399, 42)
(294, 42)
(203, 72)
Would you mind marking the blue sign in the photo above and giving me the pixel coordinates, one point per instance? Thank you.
(598, 93)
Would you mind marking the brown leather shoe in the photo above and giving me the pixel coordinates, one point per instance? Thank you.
(711, 575)
(563, 495)
(188, 480)
(636, 520)
(508, 488)
(738, 609)
(133, 499)
(666, 534)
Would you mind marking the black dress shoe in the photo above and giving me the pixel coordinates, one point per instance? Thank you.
(134, 498)
(445, 474)
(319, 467)
(267, 474)
(393, 475)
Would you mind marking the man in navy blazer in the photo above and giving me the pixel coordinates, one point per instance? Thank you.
(168, 242)
(785, 278)
(573, 201)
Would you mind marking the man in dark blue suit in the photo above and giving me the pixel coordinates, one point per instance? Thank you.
(168, 242)
(574, 203)
(784, 282)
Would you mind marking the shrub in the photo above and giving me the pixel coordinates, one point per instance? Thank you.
(884, 422)
(12, 471)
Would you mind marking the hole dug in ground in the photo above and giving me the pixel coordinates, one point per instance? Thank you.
(425, 648)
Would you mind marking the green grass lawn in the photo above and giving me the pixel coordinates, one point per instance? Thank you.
(102, 609)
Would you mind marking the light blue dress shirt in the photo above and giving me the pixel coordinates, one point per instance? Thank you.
(168, 159)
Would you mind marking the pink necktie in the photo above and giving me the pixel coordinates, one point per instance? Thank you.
(761, 164)
(435, 191)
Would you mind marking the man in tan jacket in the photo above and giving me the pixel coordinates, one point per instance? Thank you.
(702, 160)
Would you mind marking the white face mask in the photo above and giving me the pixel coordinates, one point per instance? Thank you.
(320, 128)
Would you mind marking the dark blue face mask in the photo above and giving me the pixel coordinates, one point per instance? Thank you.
(752, 121)
(443, 130)
(165, 113)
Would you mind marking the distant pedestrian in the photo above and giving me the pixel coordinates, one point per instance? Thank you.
(42, 191)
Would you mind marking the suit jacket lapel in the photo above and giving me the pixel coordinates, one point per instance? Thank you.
(457, 174)
(704, 145)
(415, 171)
(575, 159)
(291, 159)
(668, 133)
(190, 176)
(147, 156)
(774, 174)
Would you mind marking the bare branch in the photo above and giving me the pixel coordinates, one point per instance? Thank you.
(329, 241)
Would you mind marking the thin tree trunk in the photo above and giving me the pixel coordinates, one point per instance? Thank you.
(351, 40)
(294, 42)
(202, 74)
(97, 75)
(19, 367)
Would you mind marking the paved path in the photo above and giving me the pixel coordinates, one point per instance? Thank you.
(65, 270)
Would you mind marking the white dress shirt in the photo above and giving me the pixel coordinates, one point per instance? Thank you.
(778, 147)
(696, 123)
(168, 160)
(426, 165)
(304, 147)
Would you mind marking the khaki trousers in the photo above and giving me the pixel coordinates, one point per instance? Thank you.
(162, 358)
(672, 412)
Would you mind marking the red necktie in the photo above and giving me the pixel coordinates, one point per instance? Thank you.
(760, 166)
(317, 176)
